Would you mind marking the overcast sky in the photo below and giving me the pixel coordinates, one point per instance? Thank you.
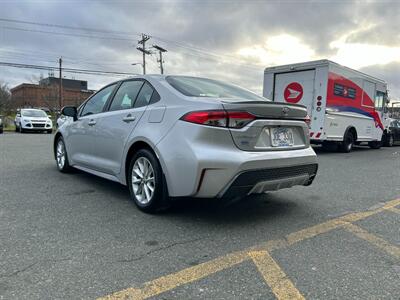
(228, 40)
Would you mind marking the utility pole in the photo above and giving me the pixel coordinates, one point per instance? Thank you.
(160, 60)
(60, 88)
(142, 49)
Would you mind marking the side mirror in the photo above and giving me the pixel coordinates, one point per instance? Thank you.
(70, 111)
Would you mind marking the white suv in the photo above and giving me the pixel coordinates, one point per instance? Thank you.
(33, 120)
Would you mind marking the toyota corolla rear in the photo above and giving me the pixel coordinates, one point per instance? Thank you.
(237, 147)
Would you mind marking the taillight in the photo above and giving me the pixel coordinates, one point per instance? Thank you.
(239, 119)
(220, 118)
(307, 119)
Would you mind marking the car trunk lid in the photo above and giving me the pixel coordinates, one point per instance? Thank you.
(278, 126)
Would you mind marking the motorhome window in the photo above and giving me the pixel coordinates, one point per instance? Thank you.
(344, 91)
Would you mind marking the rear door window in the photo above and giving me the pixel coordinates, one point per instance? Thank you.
(126, 95)
(145, 95)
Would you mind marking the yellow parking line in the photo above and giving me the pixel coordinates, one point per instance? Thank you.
(395, 210)
(313, 231)
(373, 239)
(274, 276)
(169, 282)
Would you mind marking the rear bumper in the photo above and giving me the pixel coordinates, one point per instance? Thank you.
(263, 180)
(205, 163)
(250, 172)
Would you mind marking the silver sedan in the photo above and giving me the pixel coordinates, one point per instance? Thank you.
(181, 136)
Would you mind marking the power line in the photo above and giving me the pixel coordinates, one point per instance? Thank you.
(69, 70)
(68, 34)
(177, 44)
(66, 26)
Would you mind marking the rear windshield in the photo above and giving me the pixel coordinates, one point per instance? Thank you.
(203, 87)
(33, 113)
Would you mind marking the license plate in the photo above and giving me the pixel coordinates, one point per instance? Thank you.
(282, 137)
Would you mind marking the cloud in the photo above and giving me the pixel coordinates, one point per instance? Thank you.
(390, 73)
(279, 49)
(227, 40)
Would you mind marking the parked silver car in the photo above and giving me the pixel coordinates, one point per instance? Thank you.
(180, 136)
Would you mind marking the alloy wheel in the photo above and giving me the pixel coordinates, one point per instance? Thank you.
(60, 155)
(143, 181)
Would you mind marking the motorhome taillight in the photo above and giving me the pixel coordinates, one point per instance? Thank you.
(307, 119)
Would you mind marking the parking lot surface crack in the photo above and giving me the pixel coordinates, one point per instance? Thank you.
(15, 273)
(158, 249)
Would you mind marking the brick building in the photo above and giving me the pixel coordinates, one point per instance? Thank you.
(46, 93)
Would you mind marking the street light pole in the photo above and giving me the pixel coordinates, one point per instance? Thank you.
(60, 90)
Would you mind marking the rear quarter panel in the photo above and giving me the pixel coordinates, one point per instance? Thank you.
(160, 117)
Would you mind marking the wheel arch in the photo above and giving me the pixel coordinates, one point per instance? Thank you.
(353, 130)
(56, 137)
(133, 148)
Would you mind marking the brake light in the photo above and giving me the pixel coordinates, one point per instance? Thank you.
(307, 119)
(220, 118)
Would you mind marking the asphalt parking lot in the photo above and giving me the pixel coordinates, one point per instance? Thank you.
(76, 236)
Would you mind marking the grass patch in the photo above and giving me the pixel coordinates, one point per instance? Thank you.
(9, 128)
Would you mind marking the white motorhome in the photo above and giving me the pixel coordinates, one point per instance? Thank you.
(346, 107)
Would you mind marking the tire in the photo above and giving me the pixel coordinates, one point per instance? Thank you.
(144, 174)
(21, 130)
(60, 154)
(16, 128)
(348, 142)
(375, 144)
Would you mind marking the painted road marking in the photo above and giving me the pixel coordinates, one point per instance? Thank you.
(172, 281)
(313, 231)
(373, 239)
(169, 282)
(395, 210)
(274, 276)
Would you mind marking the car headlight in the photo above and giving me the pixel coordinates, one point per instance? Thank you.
(26, 120)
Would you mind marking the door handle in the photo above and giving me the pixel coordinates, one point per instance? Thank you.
(129, 118)
(92, 123)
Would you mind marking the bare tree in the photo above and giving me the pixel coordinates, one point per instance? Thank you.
(5, 97)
